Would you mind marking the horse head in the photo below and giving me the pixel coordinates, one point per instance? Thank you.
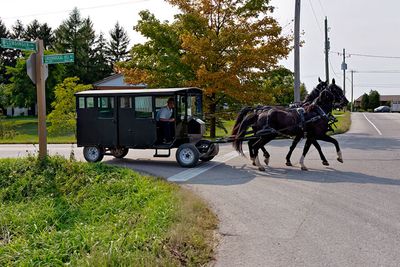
(339, 97)
(316, 91)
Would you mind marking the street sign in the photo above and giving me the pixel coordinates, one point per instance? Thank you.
(59, 58)
(31, 68)
(17, 44)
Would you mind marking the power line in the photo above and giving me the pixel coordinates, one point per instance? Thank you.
(315, 17)
(377, 71)
(365, 55)
(322, 8)
(69, 10)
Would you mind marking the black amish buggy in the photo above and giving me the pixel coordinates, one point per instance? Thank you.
(110, 122)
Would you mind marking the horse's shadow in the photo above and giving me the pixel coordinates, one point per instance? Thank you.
(239, 175)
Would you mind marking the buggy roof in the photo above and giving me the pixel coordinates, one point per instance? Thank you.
(158, 91)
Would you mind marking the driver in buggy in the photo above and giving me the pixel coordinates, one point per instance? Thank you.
(166, 121)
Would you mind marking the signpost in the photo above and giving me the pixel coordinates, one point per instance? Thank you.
(18, 44)
(59, 58)
(37, 70)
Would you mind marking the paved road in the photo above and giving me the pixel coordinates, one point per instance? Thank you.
(341, 215)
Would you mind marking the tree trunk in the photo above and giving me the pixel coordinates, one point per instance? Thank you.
(213, 120)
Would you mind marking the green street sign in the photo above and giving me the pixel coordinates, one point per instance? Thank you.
(17, 44)
(59, 58)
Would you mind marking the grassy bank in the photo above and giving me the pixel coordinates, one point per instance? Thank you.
(65, 212)
(344, 121)
(25, 129)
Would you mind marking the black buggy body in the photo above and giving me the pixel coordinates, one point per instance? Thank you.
(110, 122)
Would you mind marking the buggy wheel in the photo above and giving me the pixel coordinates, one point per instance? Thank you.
(119, 152)
(187, 155)
(93, 153)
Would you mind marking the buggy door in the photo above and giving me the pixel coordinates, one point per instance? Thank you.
(144, 124)
(126, 121)
(105, 128)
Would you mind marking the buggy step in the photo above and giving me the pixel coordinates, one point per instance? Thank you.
(158, 155)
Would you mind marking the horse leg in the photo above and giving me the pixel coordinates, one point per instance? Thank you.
(305, 151)
(257, 146)
(266, 155)
(321, 155)
(292, 147)
(250, 143)
(332, 140)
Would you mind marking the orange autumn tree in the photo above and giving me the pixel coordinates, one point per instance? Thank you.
(225, 47)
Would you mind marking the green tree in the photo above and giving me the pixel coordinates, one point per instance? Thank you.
(280, 83)
(63, 116)
(42, 31)
(18, 30)
(228, 46)
(23, 91)
(7, 58)
(76, 35)
(4, 98)
(373, 99)
(365, 102)
(101, 67)
(117, 47)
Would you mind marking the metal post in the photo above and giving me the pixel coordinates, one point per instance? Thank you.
(297, 52)
(351, 107)
(41, 100)
(326, 50)
(344, 67)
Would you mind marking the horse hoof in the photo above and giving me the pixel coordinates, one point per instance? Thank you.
(261, 169)
(288, 163)
(254, 164)
(340, 160)
(325, 163)
(266, 161)
(304, 169)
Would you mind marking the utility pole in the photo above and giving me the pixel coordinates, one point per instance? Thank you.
(351, 106)
(297, 52)
(327, 47)
(41, 99)
(344, 68)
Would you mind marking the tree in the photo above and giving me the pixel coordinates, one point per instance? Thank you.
(4, 98)
(365, 102)
(63, 116)
(280, 84)
(373, 99)
(101, 66)
(76, 35)
(42, 31)
(6, 57)
(18, 30)
(117, 47)
(229, 47)
(23, 91)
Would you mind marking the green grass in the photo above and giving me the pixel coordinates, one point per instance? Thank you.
(58, 212)
(344, 121)
(26, 132)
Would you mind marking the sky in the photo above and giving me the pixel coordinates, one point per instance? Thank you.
(362, 27)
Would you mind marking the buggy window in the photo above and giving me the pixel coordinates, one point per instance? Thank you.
(106, 107)
(143, 107)
(125, 102)
(90, 102)
(81, 101)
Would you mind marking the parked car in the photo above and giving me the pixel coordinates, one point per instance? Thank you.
(382, 109)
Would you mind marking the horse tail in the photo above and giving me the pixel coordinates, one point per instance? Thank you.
(248, 120)
(243, 112)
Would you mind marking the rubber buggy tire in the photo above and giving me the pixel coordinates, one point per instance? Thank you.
(187, 155)
(119, 152)
(93, 153)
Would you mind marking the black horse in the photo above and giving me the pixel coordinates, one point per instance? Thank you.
(288, 122)
(252, 114)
